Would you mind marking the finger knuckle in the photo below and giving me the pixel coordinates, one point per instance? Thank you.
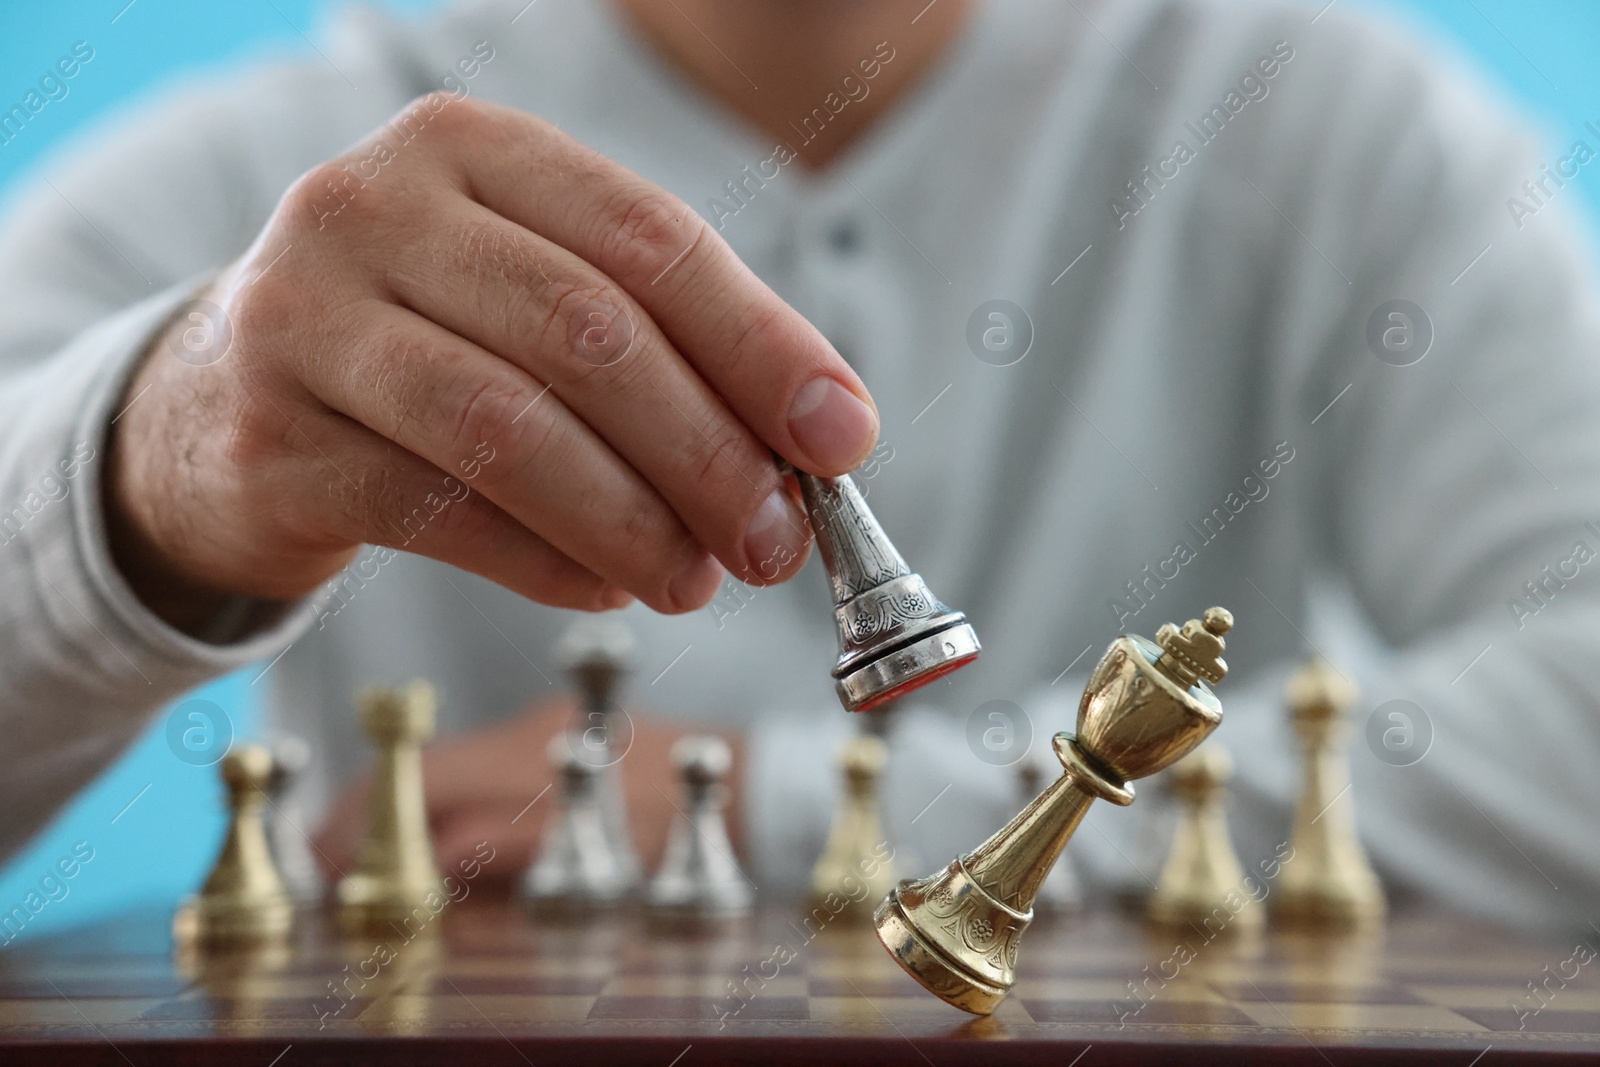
(588, 325)
(253, 439)
(503, 263)
(389, 361)
(260, 311)
(541, 445)
(766, 331)
(725, 465)
(323, 193)
(449, 114)
(436, 101)
(639, 538)
(647, 231)
(488, 412)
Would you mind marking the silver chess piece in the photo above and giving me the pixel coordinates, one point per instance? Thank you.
(597, 652)
(894, 634)
(286, 825)
(1060, 894)
(699, 876)
(577, 866)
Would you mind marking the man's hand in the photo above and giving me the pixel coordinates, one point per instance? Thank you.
(489, 345)
(481, 786)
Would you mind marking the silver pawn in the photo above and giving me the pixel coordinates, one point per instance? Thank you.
(699, 877)
(597, 652)
(577, 868)
(1060, 894)
(286, 826)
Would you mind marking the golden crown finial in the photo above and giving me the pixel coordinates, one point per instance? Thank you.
(1195, 651)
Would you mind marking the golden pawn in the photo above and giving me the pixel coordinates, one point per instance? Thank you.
(396, 875)
(1203, 878)
(243, 899)
(856, 862)
(1328, 881)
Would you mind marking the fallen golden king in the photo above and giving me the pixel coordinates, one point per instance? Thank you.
(1146, 706)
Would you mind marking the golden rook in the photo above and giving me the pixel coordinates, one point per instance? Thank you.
(395, 873)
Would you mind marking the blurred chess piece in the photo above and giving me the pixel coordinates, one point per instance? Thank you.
(1328, 881)
(243, 899)
(578, 868)
(1146, 707)
(894, 634)
(597, 651)
(286, 834)
(1154, 821)
(1060, 893)
(699, 876)
(396, 874)
(1202, 870)
(856, 863)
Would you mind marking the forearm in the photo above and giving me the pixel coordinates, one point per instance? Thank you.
(86, 661)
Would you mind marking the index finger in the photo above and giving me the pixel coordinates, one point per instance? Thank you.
(773, 368)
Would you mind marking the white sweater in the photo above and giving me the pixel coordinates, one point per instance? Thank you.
(1199, 204)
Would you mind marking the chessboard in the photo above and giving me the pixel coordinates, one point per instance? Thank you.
(491, 985)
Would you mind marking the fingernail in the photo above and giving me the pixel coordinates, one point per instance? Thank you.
(696, 583)
(776, 536)
(834, 428)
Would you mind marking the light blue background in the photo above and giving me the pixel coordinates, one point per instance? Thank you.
(158, 848)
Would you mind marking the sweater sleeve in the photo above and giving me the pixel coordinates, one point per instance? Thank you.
(86, 662)
(102, 246)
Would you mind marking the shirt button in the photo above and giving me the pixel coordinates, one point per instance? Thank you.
(845, 237)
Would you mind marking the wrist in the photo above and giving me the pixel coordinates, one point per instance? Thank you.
(155, 574)
(163, 588)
